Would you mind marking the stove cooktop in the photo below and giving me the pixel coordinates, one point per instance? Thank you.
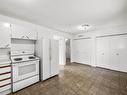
(23, 58)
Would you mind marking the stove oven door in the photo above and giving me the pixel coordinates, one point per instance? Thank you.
(25, 70)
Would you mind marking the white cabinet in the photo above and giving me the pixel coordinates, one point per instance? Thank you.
(5, 35)
(102, 52)
(54, 57)
(23, 32)
(48, 51)
(5, 77)
(46, 59)
(112, 52)
(82, 50)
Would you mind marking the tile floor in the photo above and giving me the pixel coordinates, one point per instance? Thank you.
(77, 79)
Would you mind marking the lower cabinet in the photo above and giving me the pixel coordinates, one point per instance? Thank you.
(5, 79)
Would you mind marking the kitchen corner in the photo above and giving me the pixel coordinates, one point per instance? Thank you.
(25, 59)
(17, 42)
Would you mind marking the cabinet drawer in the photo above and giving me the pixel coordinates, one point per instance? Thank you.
(4, 76)
(5, 69)
(7, 87)
(5, 82)
(3, 64)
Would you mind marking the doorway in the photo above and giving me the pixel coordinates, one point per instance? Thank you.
(68, 51)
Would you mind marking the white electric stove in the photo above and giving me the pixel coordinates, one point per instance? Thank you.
(25, 71)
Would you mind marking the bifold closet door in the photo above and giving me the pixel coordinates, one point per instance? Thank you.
(118, 50)
(82, 50)
(123, 53)
(102, 46)
(46, 59)
(54, 57)
(112, 52)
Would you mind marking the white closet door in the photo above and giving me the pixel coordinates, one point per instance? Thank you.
(46, 59)
(112, 52)
(54, 57)
(102, 46)
(82, 51)
(114, 58)
(123, 53)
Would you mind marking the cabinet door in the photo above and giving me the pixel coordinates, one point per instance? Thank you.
(82, 51)
(102, 46)
(4, 35)
(23, 32)
(112, 52)
(114, 58)
(121, 52)
(46, 59)
(54, 57)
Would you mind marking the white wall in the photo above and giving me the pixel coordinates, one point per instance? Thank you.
(49, 33)
(62, 51)
(106, 30)
(42, 31)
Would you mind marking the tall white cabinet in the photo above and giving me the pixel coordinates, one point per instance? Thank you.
(54, 51)
(82, 50)
(112, 52)
(48, 51)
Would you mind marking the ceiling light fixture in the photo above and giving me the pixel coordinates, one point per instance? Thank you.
(84, 27)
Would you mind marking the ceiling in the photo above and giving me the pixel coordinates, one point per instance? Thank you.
(66, 15)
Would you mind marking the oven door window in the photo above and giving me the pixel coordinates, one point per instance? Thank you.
(27, 69)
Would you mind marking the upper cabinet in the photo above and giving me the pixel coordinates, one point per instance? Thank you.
(23, 32)
(5, 33)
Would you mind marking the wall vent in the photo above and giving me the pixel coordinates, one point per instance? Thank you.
(80, 35)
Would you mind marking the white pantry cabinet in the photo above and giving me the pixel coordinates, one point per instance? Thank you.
(23, 32)
(45, 64)
(82, 50)
(48, 51)
(5, 35)
(54, 57)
